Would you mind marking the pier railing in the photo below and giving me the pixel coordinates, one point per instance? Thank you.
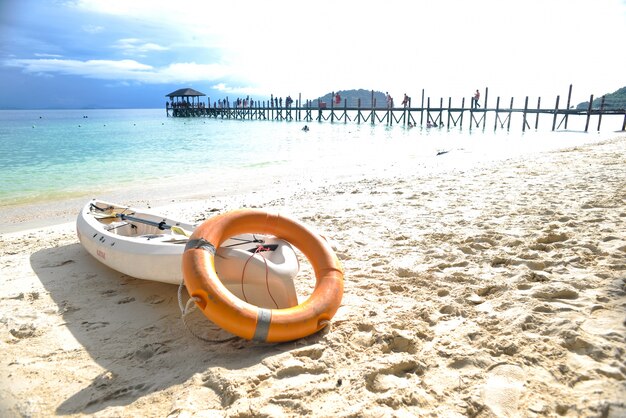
(426, 114)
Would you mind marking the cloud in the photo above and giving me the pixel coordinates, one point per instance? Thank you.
(92, 29)
(42, 55)
(134, 46)
(105, 69)
(122, 70)
(220, 87)
(248, 90)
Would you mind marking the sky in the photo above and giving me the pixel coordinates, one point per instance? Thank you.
(131, 53)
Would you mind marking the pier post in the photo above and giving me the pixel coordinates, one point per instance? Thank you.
(299, 105)
(404, 114)
(589, 112)
(485, 107)
(440, 111)
(601, 110)
(462, 112)
(411, 120)
(569, 98)
(422, 110)
(556, 111)
(471, 110)
(495, 124)
(525, 110)
(373, 106)
(449, 107)
(508, 125)
(537, 116)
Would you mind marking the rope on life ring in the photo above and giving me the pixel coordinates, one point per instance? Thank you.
(249, 321)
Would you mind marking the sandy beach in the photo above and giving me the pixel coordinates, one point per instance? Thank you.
(492, 291)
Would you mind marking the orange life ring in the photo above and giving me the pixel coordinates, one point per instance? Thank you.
(246, 320)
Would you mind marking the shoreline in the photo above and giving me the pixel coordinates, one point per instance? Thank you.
(238, 185)
(494, 290)
(179, 191)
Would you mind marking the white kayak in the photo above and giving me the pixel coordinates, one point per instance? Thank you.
(258, 269)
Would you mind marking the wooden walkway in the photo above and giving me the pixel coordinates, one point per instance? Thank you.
(432, 115)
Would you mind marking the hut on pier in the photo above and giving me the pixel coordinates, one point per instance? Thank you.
(182, 96)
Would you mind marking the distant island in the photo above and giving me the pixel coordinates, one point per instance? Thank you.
(353, 96)
(612, 101)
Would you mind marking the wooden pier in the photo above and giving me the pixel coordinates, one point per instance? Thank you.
(429, 114)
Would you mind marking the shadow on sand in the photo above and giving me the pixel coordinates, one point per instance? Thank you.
(132, 329)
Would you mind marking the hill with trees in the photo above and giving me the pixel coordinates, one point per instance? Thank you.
(614, 101)
(353, 96)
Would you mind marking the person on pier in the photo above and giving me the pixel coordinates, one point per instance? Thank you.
(406, 100)
(475, 99)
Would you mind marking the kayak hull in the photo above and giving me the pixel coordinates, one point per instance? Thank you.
(255, 268)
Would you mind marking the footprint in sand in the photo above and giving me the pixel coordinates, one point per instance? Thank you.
(24, 331)
(90, 326)
(396, 370)
(555, 291)
(148, 351)
(109, 292)
(503, 390)
(399, 342)
(154, 299)
(605, 322)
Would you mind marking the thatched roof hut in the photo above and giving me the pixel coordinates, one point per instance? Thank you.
(188, 92)
(181, 97)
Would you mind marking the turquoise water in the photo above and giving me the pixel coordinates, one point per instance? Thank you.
(52, 154)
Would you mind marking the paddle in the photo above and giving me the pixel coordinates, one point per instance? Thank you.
(161, 225)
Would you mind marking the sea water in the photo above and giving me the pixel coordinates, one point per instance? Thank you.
(55, 154)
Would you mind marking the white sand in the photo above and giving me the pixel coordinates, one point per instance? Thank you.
(493, 291)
